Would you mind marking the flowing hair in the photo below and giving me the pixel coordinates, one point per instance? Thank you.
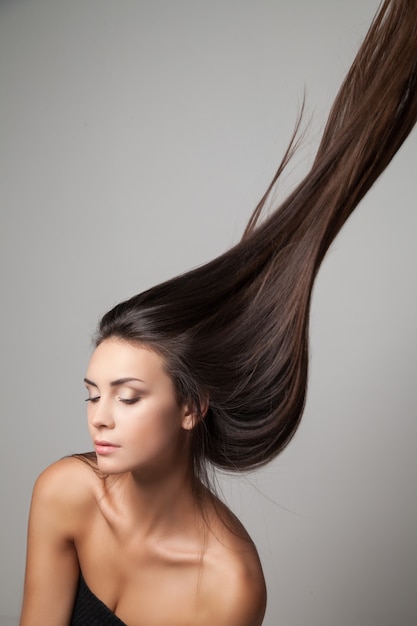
(233, 333)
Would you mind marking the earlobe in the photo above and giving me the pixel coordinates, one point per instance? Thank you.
(189, 421)
(192, 416)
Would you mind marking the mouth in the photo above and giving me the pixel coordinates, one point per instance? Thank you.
(105, 447)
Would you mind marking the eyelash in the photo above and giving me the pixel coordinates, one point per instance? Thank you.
(129, 400)
(124, 400)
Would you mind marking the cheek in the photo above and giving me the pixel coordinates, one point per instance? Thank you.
(154, 429)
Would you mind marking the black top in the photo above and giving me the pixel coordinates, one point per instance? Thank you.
(90, 611)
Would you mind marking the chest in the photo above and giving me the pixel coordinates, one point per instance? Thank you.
(143, 583)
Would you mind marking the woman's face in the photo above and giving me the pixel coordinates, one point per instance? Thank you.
(134, 418)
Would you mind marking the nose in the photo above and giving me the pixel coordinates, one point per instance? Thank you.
(100, 414)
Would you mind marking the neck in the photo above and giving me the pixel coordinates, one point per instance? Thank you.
(160, 501)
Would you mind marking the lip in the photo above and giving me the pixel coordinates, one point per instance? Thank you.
(105, 447)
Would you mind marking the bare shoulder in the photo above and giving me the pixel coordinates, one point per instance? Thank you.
(234, 580)
(240, 592)
(63, 499)
(67, 489)
(67, 468)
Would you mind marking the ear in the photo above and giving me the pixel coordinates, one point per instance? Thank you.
(192, 416)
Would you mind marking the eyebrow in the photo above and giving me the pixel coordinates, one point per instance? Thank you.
(115, 383)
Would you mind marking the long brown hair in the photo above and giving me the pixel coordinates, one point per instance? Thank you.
(235, 331)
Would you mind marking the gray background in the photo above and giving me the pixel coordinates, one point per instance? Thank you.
(135, 139)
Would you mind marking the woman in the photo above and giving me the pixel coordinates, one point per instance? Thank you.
(210, 367)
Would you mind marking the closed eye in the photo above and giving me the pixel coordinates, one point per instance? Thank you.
(94, 399)
(129, 400)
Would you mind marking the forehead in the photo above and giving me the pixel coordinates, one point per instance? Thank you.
(115, 358)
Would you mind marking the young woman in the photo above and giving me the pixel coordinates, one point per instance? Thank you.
(208, 369)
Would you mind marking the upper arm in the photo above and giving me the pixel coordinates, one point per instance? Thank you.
(246, 602)
(52, 565)
(237, 593)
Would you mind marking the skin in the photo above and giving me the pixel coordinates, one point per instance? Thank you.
(133, 525)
